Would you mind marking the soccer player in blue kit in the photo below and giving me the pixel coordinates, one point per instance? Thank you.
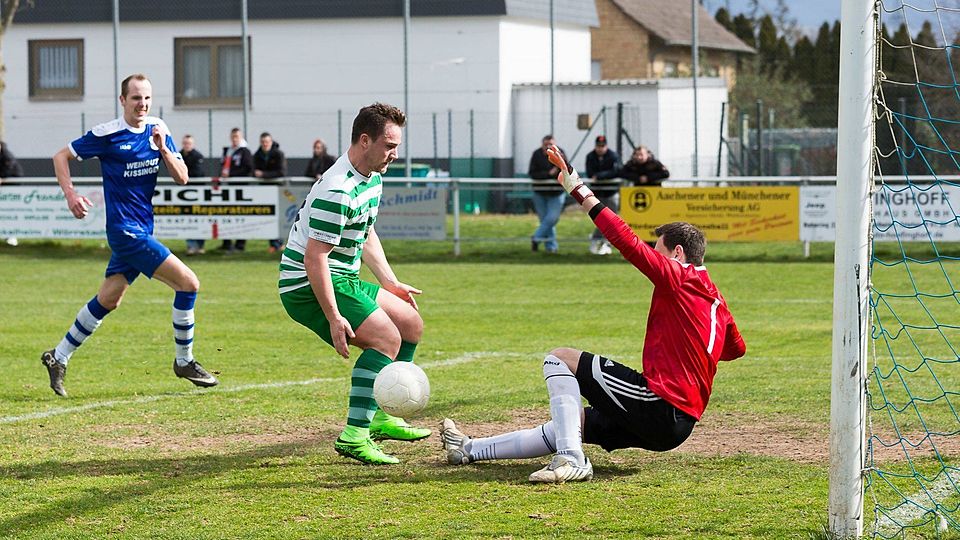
(130, 149)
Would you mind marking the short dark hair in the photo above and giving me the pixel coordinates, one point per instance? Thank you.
(234, 130)
(125, 85)
(546, 138)
(684, 234)
(373, 120)
(266, 134)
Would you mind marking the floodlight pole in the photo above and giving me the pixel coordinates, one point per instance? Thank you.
(855, 139)
(553, 79)
(116, 57)
(244, 69)
(406, 85)
(695, 45)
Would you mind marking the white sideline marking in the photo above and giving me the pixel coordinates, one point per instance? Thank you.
(462, 359)
(908, 513)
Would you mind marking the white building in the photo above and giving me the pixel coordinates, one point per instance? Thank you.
(308, 62)
(657, 113)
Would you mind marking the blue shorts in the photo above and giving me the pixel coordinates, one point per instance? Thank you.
(134, 254)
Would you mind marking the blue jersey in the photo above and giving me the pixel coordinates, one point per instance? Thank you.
(129, 162)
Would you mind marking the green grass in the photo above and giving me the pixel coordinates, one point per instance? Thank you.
(162, 460)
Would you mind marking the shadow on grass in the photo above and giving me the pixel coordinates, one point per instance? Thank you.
(146, 476)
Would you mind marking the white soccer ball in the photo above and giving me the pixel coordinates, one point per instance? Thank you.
(401, 389)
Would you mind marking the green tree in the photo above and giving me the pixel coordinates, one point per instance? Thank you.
(767, 43)
(778, 90)
(821, 110)
(743, 29)
(722, 16)
(804, 64)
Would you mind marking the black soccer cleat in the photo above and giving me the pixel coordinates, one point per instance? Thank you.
(56, 370)
(195, 373)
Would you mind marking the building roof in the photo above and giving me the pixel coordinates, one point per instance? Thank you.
(671, 21)
(580, 12)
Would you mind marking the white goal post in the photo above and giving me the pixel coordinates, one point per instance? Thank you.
(855, 143)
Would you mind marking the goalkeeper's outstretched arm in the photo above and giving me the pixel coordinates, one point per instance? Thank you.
(654, 265)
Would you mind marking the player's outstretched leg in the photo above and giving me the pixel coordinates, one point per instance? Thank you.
(354, 441)
(55, 360)
(525, 443)
(184, 365)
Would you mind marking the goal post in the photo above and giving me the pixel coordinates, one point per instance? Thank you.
(855, 143)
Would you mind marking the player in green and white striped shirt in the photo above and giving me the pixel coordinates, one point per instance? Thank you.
(320, 284)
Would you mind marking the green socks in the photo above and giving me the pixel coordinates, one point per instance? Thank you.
(406, 351)
(361, 403)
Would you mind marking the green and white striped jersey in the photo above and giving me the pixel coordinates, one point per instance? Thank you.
(340, 210)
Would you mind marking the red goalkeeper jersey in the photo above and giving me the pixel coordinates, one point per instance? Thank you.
(689, 328)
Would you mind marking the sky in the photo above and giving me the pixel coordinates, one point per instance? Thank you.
(810, 14)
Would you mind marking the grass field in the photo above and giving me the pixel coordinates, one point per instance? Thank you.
(136, 453)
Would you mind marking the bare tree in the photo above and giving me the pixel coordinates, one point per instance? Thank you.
(7, 10)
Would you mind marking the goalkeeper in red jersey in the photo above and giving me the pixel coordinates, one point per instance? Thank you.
(689, 330)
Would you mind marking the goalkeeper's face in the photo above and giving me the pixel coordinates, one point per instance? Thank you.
(382, 152)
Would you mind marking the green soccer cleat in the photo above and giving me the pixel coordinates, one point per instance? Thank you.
(365, 451)
(385, 427)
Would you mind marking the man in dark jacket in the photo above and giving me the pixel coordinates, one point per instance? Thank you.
(193, 159)
(9, 168)
(547, 198)
(320, 162)
(643, 169)
(603, 170)
(269, 162)
(237, 162)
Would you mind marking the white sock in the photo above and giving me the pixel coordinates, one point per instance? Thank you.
(565, 407)
(88, 320)
(526, 443)
(183, 321)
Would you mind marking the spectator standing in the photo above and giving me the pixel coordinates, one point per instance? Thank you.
(603, 169)
(643, 169)
(9, 168)
(194, 162)
(548, 197)
(268, 163)
(320, 162)
(237, 162)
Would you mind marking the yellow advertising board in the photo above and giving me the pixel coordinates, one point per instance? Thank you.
(758, 213)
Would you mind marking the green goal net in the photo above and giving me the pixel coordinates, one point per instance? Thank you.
(913, 383)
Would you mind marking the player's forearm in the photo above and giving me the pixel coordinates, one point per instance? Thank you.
(318, 274)
(376, 260)
(177, 168)
(61, 166)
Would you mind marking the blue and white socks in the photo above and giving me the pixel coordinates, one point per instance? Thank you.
(183, 322)
(88, 320)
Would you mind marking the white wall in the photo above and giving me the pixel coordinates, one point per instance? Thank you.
(303, 72)
(525, 58)
(657, 113)
(675, 136)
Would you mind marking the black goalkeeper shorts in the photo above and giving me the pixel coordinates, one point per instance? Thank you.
(623, 412)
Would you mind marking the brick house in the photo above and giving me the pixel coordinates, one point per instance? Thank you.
(651, 39)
